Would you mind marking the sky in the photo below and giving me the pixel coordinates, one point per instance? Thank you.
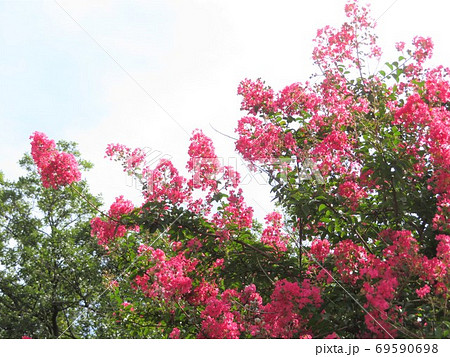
(147, 73)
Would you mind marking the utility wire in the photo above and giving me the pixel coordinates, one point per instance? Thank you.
(379, 17)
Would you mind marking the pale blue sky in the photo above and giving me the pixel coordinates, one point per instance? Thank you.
(188, 54)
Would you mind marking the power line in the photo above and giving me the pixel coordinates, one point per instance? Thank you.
(379, 17)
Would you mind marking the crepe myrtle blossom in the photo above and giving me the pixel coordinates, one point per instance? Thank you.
(55, 168)
(360, 253)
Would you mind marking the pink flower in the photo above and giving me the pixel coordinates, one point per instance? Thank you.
(331, 151)
(175, 334)
(56, 168)
(331, 336)
(422, 292)
(219, 321)
(62, 170)
(250, 296)
(273, 234)
(424, 48)
(283, 314)
(131, 159)
(443, 247)
(350, 190)
(164, 183)
(256, 97)
(42, 149)
(167, 277)
(109, 229)
(258, 141)
(400, 46)
(294, 99)
(437, 86)
(340, 46)
(235, 215)
(218, 263)
(320, 249)
(415, 112)
(203, 162)
(231, 177)
(350, 258)
(203, 292)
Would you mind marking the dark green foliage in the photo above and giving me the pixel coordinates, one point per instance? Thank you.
(50, 267)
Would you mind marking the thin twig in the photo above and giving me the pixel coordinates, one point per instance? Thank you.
(265, 273)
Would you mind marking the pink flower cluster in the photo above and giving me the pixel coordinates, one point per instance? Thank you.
(441, 220)
(131, 159)
(381, 276)
(349, 258)
(55, 168)
(264, 141)
(203, 292)
(175, 334)
(437, 86)
(352, 192)
(109, 229)
(256, 96)
(413, 114)
(233, 313)
(424, 48)
(203, 162)
(260, 99)
(236, 215)
(431, 128)
(231, 177)
(164, 183)
(422, 292)
(330, 153)
(348, 44)
(283, 314)
(168, 277)
(258, 141)
(295, 100)
(320, 249)
(443, 248)
(273, 235)
(218, 319)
